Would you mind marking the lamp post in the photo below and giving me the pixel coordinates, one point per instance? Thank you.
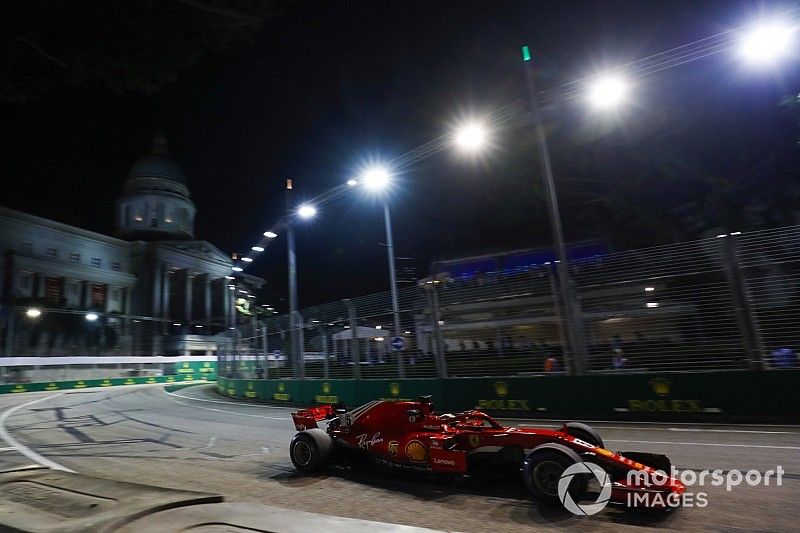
(377, 179)
(305, 211)
(292, 265)
(606, 93)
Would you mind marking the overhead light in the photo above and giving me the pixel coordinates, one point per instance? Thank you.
(352, 182)
(767, 42)
(315, 321)
(378, 326)
(176, 324)
(270, 234)
(243, 291)
(91, 317)
(652, 304)
(230, 277)
(379, 339)
(247, 259)
(471, 136)
(306, 211)
(376, 178)
(33, 312)
(257, 248)
(237, 269)
(406, 333)
(198, 326)
(649, 289)
(608, 91)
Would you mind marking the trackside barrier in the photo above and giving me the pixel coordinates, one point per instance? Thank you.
(666, 396)
(111, 382)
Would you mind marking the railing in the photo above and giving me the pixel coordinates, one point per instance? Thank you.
(724, 303)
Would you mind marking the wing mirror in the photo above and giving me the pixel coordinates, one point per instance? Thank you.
(413, 413)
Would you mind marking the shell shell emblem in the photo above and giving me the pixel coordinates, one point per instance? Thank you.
(416, 451)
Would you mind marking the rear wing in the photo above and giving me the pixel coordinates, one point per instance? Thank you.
(308, 418)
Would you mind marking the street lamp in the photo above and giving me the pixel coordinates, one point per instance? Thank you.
(305, 212)
(608, 91)
(471, 137)
(378, 179)
(91, 317)
(33, 312)
(767, 42)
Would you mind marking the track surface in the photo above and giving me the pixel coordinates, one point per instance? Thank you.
(195, 439)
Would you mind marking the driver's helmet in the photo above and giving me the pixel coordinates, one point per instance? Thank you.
(425, 405)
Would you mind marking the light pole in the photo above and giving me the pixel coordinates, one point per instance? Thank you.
(305, 211)
(377, 179)
(606, 93)
(292, 265)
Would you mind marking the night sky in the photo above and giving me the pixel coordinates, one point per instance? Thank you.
(326, 86)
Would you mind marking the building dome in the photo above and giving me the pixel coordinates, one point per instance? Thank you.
(155, 204)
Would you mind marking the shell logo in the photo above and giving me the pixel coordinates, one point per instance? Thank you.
(394, 389)
(326, 388)
(416, 451)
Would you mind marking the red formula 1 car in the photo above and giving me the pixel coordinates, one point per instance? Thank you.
(409, 436)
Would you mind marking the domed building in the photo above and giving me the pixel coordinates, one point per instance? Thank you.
(155, 204)
(162, 291)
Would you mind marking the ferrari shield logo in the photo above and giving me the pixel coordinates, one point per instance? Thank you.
(474, 440)
(393, 447)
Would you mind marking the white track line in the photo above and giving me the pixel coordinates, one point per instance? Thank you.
(220, 410)
(21, 448)
(225, 402)
(545, 421)
(706, 444)
(686, 430)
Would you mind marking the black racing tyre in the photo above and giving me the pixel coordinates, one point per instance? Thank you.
(584, 432)
(542, 471)
(310, 450)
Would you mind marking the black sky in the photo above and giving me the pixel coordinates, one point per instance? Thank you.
(328, 85)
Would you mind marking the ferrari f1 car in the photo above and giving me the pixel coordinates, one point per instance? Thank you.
(409, 436)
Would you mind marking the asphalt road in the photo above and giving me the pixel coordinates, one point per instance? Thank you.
(194, 439)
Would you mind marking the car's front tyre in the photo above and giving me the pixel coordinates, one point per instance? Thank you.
(310, 450)
(542, 471)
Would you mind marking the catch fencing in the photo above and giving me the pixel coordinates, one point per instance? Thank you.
(731, 302)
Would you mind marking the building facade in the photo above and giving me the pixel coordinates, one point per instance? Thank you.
(154, 288)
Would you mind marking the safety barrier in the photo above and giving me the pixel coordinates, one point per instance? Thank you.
(708, 396)
(111, 382)
(99, 372)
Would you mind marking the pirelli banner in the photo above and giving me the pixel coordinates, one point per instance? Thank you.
(708, 396)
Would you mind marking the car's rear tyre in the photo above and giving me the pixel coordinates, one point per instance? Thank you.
(543, 468)
(584, 432)
(310, 450)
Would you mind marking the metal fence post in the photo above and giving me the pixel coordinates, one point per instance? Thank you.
(557, 309)
(440, 352)
(264, 348)
(740, 294)
(354, 348)
(324, 346)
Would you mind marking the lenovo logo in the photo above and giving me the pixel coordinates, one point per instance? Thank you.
(448, 462)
